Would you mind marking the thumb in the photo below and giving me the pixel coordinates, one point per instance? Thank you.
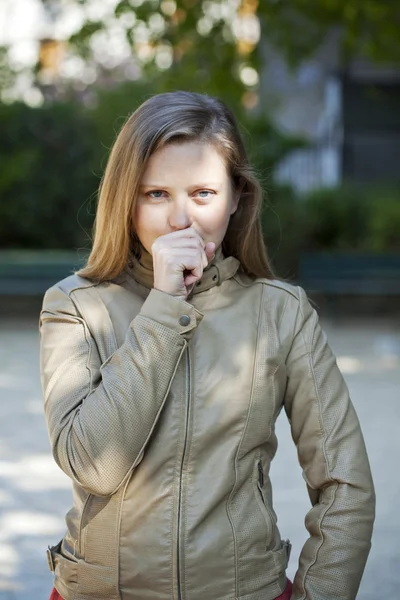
(210, 250)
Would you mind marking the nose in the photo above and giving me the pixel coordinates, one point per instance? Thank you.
(179, 217)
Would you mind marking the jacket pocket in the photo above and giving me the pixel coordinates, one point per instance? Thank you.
(259, 491)
(97, 581)
(281, 557)
(64, 569)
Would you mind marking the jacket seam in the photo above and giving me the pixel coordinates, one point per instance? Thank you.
(115, 343)
(283, 312)
(175, 524)
(266, 282)
(76, 288)
(317, 396)
(91, 390)
(89, 357)
(317, 551)
(171, 528)
(239, 445)
(78, 316)
(77, 305)
(80, 321)
(118, 534)
(81, 542)
(190, 429)
(82, 324)
(140, 453)
(326, 461)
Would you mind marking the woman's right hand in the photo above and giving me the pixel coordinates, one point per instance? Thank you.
(179, 259)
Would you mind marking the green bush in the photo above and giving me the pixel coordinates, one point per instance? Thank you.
(53, 158)
(336, 219)
(384, 224)
(347, 219)
(47, 178)
(283, 227)
(352, 219)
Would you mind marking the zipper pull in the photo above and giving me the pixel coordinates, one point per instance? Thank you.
(260, 474)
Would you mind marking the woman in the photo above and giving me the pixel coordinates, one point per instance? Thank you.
(165, 363)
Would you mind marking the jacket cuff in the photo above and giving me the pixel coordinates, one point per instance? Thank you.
(172, 312)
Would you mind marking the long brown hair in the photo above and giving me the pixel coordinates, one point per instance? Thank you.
(165, 118)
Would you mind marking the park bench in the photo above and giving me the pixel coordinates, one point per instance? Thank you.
(350, 274)
(26, 273)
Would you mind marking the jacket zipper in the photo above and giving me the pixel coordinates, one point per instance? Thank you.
(261, 490)
(188, 382)
(260, 474)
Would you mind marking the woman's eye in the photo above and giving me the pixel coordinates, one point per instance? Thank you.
(156, 194)
(204, 194)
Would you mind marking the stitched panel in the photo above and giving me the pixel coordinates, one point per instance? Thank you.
(259, 563)
(101, 416)
(332, 453)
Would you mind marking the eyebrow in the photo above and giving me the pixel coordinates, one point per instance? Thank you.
(195, 185)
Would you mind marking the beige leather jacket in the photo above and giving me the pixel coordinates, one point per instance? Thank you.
(162, 413)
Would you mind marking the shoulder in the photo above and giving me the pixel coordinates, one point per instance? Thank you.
(273, 287)
(61, 294)
(280, 296)
(78, 295)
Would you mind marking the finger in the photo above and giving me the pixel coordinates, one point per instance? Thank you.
(204, 259)
(188, 233)
(178, 243)
(190, 280)
(188, 261)
(197, 272)
(210, 250)
(195, 262)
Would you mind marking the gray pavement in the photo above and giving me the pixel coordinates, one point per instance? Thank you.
(35, 494)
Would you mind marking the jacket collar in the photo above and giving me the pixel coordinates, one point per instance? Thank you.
(217, 271)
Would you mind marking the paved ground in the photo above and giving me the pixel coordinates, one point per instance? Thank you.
(35, 494)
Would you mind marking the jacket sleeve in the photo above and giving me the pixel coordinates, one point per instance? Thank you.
(100, 416)
(335, 465)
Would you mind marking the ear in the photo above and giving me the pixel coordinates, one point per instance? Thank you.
(235, 202)
(236, 194)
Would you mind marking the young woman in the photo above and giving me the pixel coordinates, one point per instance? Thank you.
(165, 363)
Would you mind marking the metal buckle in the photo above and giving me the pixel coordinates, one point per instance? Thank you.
(288, 548)
(50, 560)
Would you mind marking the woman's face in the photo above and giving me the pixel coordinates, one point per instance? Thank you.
(185, 185)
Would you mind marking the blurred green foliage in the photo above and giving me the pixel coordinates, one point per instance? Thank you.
(211, 38)
(384, 229)
(353, 219)
(207, 44)
(365, 28)
(53, 158)
(349, 220)
(46, 175)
